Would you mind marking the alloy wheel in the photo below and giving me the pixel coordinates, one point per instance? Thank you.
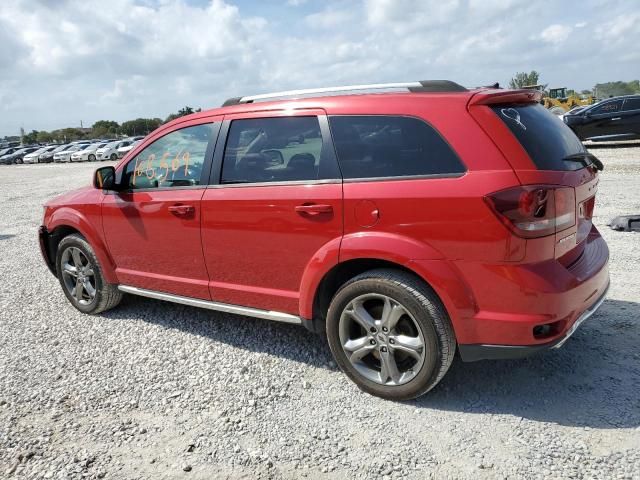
(381, 339)
(78, 275)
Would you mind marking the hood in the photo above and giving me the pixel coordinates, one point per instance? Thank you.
(70, 198)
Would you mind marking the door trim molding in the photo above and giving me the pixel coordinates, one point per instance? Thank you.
(217, 306)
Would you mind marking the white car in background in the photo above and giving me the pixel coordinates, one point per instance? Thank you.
(65, 156)
(33, 156)
(110, 150)
(122, 151)
(88, 153)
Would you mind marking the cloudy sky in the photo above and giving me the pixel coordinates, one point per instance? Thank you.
(66, 61)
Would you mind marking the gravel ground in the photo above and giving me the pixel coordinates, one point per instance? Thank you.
(155, 390)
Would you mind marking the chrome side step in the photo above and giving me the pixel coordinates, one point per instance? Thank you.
(220, 307)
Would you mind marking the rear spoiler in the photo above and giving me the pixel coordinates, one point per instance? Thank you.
(491, 96)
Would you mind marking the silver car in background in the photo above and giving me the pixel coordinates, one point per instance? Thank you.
(122, 151)
(110, 150)
(87, 154)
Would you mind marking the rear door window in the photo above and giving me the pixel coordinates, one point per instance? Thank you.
(631, 104)
(383, 146)
(547, 140)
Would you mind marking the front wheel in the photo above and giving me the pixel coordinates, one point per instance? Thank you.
(389, 333)
(81, 277)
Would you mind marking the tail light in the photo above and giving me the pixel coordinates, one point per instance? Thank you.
(532, 211)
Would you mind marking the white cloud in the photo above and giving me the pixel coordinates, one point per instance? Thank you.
(85, 59)
(329, 18)
(556, 33)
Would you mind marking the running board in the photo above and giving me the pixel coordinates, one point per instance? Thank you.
(219, 307)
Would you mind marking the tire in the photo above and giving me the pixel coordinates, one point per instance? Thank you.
(19, 161)
(92, 157)
(105, 295)
(421, 318)
(113, 157)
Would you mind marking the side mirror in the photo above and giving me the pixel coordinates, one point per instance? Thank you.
(104, 178)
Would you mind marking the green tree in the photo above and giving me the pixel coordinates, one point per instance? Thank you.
(186, 110)
(140, 126)
(44, 137)
(30, 137)
(524, 79)
(615, 89)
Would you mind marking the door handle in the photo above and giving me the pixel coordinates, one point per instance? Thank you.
(182, 210)
(314, 209)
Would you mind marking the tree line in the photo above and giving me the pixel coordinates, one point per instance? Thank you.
(101, 129)
(601, 90)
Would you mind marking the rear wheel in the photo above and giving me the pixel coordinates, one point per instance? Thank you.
(92, 157)
(389, 333)
(19, 161)
(113, 157)
(81, 277)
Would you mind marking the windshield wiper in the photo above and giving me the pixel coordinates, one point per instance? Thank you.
(586, 159)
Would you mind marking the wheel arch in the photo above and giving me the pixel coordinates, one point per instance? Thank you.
(65, 222)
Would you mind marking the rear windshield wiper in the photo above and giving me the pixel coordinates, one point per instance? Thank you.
(586, 159)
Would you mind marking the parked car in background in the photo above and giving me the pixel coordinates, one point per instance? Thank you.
(18, 155)
(6, 152)
(34, 157)
(612, 119)
(47, 157)
(122, 151)
(405, 227)
(110, 150)
(65, 155)
(86, 153)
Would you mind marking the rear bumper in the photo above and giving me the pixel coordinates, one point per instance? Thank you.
(472, 353)
(523, 308)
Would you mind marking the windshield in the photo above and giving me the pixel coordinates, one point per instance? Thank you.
(550, 144)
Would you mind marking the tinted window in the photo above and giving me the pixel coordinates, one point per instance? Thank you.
(607, 107)
(631, 103)
(547, 140)
(174, 160)
(386, 146)
(272, 150)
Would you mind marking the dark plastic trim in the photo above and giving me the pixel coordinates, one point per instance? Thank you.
(45, 248)
(438, 86)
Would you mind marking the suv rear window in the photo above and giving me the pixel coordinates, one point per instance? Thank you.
(547, 140)
(382, 146)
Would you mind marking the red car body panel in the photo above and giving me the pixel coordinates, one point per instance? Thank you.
(258, 247)
(156, 249)
(247, 244)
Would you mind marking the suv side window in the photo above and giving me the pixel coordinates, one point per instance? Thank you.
(174, 160)
(379, 146)
(631, 104)
(608, 107)
(273, 149)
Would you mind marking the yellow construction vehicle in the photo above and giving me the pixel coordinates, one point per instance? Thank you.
(557, 100)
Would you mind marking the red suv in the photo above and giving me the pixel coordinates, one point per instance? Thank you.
(406, 222)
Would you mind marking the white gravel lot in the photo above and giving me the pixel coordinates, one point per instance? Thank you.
(156, 390)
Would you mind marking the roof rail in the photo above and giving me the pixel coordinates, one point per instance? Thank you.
(414, 87)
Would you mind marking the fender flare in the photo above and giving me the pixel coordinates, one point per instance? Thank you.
(68, 217)
(421, 258)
